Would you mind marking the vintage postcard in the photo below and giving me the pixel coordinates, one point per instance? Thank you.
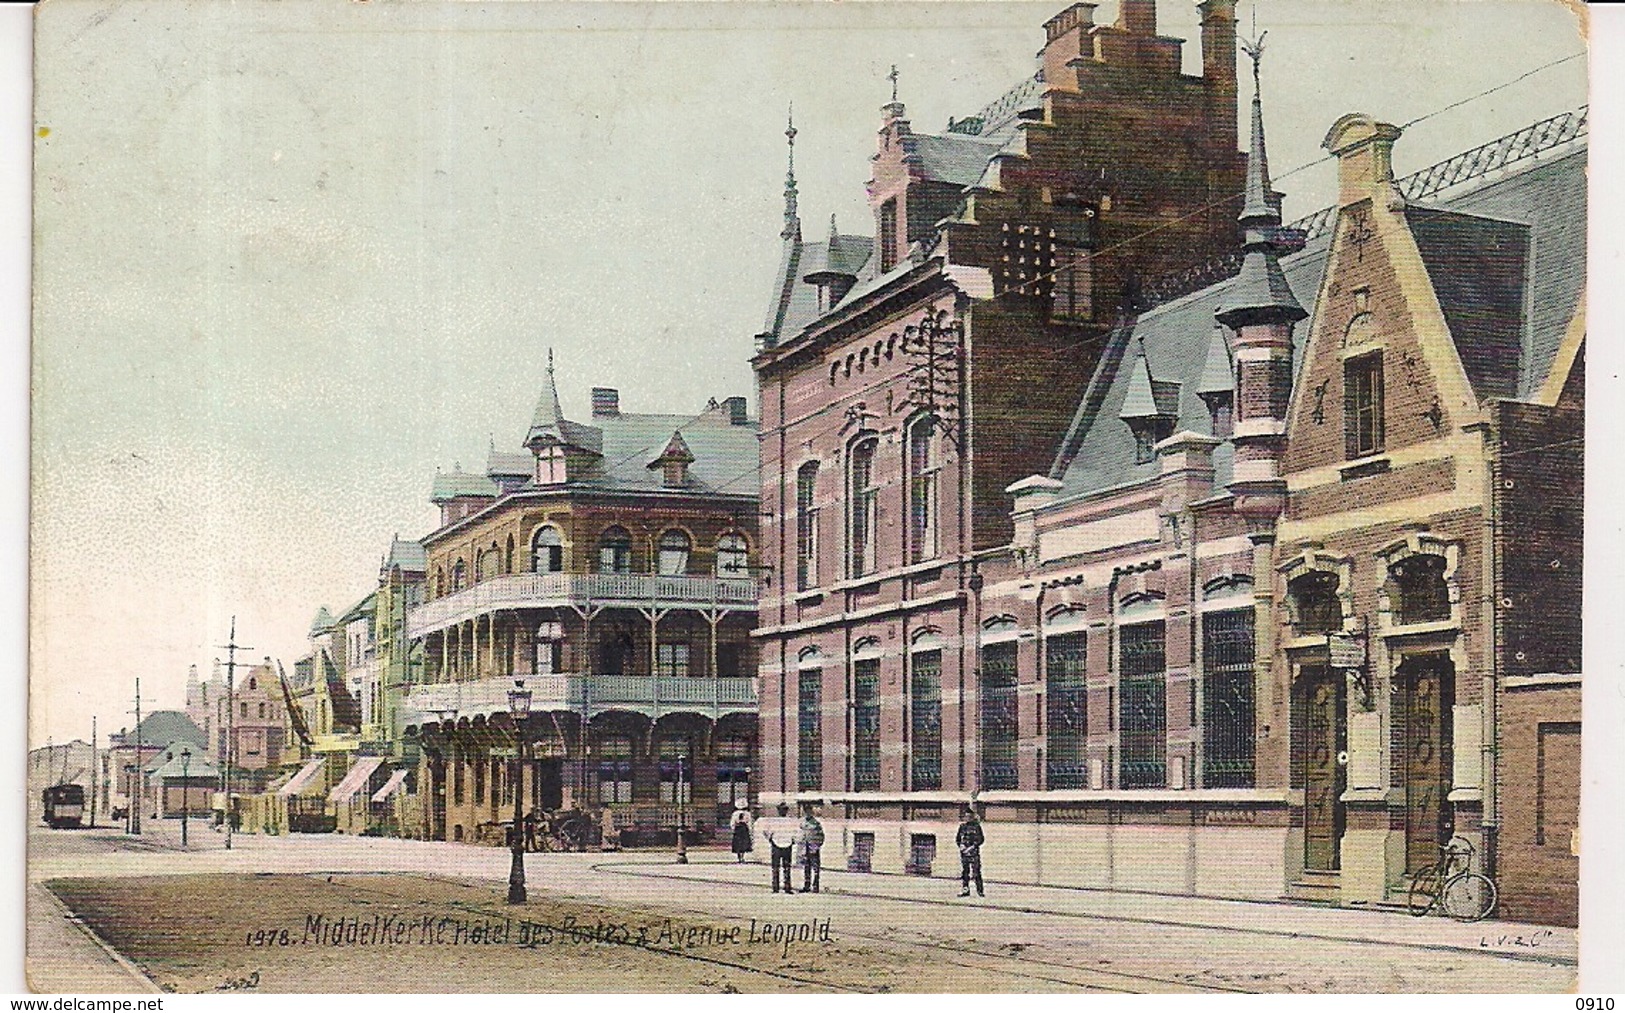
(780, 497)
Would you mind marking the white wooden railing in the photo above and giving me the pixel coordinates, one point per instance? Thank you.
(540, 590)
(595, 693)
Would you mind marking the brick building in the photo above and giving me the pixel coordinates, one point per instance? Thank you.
(908, 378)
(1296, 597)
(259, 723)
(612, 568)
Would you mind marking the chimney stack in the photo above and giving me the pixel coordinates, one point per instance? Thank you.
(1138, 16)
(1365, 159)
(735, 407)
(606, 401)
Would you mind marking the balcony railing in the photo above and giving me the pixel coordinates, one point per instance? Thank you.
(594, 693)
(542, 590)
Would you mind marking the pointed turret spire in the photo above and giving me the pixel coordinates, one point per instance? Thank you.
(1261, 293)
(548, 411)
(792, 221)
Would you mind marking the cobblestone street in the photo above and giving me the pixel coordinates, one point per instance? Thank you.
(637, 921)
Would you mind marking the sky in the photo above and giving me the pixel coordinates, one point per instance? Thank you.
(290, 258)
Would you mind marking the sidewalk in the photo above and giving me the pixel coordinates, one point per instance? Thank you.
(1285, 919)
(64, 957)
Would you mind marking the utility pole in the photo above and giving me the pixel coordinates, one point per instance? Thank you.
(93, 772)
(137, 777)
(231, 648)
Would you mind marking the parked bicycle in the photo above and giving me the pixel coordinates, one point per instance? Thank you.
(1452, 887)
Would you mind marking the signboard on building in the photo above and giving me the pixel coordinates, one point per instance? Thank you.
(1345, 651)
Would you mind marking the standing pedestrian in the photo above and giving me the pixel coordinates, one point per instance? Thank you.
(812, 843)
(782, 833)
(970, 840)
(530, 830)
(741, 823)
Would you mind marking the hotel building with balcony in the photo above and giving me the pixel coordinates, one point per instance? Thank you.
(611, 568)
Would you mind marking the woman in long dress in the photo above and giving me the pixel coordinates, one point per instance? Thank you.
(741, 823)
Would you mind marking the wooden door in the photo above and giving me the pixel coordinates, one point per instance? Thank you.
(1425, 685)
(1324, 737)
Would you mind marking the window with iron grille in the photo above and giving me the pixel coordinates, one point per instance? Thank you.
(1319, 608)
(806, 527)
(1362, 405)
(1066, 710)
(922, 491)
(997, 691)
(863, 502)
(925, 721)
(1227, 699)
(1422, 594)
(733, 770)
(1142, 696)
(866, 724)
(809, 723)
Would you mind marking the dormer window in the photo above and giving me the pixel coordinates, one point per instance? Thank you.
(551, 468)
(1150, 409)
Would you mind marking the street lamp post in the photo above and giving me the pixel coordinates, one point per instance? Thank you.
(186, 791)
(682, 814)
(519, 710)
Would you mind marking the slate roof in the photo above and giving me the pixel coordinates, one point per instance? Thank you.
(323, 621)
(166, 727)
(960, 156)
(365, 607)
(408, 555)
(1478, 247)
(168, 764)
(449, 485)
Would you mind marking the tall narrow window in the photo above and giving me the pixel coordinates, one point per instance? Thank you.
(866, 724)
(615, 769)
(1073, 291)
(809, 724)
(1066, 710)
(1362, 405)
(547, 550)
(459, 576)
(1227, 699)
(806, 527)
(863, 503)
(888, 235)
(733, 556)
(922, 490)
(1143, 699)
(998, 713)
(674, 549)
(925, 721)
(733, 771)
(615, 551)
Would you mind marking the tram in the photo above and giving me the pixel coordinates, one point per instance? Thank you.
(64, 805)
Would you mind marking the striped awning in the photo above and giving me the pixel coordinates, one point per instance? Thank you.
(299, 780)
(355, 780)
(390, 786)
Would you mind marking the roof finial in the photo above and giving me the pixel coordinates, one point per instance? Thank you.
(792, 222)
(893, 77)
(1259, 204)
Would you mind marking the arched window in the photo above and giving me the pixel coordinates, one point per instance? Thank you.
(546, 550)
(507, 557)
(863, 504)
(733, 556)
(489, 563)
(439, 582)
(674, 547)
(922, 490)
(806, 527)
(1315, 597)
(459, 576)
(1423, 596)
(615, 551)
